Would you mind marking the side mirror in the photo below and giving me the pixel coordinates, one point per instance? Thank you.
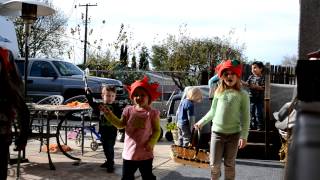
(86, 72)
(85, 77)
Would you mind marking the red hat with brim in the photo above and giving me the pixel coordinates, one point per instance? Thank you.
(151, 88)
(232, 65)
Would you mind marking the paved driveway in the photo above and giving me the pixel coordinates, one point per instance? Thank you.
(164, 167)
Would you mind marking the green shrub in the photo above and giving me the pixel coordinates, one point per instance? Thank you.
(171, 126)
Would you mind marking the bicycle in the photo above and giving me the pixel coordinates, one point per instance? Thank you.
(95, 136)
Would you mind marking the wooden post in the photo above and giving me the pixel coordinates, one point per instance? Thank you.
(267, 109)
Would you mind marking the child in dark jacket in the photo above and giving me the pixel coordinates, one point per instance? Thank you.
(256, 84)
(107, 130)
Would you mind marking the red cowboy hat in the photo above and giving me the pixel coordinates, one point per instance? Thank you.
(150, 88)
(233, 65)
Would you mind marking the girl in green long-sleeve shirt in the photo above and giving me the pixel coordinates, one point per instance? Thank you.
(229, 114)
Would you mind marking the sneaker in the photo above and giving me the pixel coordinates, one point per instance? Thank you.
(110, 169)
(104, 165)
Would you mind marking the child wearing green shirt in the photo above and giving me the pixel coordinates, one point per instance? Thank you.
(230, 117)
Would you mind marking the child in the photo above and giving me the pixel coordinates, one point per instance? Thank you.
(142, 129)
(12, 108)
(256, 83)
(229, 114)
(107, 130)
(185, 115)
(212, 83)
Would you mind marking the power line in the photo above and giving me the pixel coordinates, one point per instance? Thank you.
(85, 32)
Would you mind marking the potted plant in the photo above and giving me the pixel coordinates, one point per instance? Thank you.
(172, 132)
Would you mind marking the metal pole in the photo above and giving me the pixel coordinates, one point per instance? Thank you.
(27, 32)
(85, 37)
(267, 110)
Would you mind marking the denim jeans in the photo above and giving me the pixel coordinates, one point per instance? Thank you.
(223, 146)
(256, 112)
(184, 134)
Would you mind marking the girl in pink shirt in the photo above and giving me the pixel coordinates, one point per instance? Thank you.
(142, 129)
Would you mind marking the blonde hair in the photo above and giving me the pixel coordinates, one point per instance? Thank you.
(194, 94)
(222, 86)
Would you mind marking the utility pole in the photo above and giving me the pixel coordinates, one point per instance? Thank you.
(85, 32)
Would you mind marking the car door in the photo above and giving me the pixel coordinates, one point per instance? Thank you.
(43, 80)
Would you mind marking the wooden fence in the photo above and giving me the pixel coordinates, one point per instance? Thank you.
(278, 74)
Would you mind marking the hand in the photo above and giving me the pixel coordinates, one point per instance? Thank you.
(104, 108)
(196, 126)
(253, 86)
(244, 83)
(242, 143)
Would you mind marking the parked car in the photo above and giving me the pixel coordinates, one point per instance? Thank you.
(200, 110)
(57, 77)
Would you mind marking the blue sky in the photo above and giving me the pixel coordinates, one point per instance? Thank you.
(268, 29)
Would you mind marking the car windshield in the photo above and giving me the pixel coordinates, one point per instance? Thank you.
(67, 69)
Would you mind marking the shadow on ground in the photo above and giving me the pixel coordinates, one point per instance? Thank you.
(260, 163)
(64, 170)
(176, 175)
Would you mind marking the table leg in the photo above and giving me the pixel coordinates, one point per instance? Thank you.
(52, 167)
(59, 145)
(82, 131)
(65, 133)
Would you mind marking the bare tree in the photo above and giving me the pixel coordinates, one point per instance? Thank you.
(289, 60)
(46, 37)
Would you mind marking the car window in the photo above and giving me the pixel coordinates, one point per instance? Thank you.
(20, 65)
(42, 69)
(67, 69)
(176, 105)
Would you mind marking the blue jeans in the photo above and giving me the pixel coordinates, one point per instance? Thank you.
(256, 111)
(184, 134)
(223, 146)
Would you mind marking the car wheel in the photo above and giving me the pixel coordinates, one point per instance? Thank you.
(94, 145)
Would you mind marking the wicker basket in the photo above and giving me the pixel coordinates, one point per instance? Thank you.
(190, 156)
